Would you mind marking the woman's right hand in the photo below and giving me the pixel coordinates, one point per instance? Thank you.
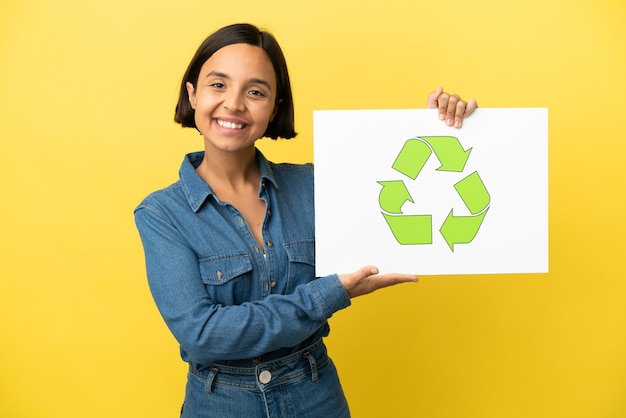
(367, 280)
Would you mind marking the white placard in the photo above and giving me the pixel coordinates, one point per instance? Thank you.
(400, 190)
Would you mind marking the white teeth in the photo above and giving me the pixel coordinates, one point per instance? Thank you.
(229, 125)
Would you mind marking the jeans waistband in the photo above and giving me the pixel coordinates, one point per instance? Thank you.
(265, 375)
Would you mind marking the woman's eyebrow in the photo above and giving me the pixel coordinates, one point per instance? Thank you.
(217, 74)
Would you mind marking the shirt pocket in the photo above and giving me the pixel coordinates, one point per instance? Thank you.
(301, 255)
(227, 278)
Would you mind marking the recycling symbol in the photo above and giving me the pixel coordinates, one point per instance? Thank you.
(417, 229)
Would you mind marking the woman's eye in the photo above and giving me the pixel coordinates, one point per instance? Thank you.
(257, 93)
(217, 85)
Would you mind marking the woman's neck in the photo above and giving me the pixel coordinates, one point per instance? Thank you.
(232, 170)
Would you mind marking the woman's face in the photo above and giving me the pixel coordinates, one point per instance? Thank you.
(235, 97)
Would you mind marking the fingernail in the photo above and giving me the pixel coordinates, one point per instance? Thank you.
(442, 116)
(457, 125)
(449, 122)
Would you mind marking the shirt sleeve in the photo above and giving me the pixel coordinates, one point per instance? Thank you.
(209, 332)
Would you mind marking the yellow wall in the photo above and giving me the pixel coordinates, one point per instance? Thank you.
(86, 103)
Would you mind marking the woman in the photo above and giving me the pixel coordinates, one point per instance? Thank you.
(230, 246)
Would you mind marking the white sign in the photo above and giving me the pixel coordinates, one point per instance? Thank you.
(400, 190)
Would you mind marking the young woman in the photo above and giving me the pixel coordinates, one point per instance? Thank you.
(230, 246)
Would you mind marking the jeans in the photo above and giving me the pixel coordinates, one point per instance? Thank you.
(301, 385)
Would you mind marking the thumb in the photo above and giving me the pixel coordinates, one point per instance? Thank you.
(350, 280)
(433, 97)
(368, 271)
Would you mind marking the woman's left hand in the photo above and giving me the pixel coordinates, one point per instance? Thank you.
(452, 109)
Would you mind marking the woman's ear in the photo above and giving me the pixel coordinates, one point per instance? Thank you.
(191, 93)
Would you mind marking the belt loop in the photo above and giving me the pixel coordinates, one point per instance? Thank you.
(209, 380)
(313, 364)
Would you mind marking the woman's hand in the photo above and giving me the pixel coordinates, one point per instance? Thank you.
(451, 107)
(367, 280)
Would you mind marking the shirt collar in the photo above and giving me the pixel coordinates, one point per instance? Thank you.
(197, 190)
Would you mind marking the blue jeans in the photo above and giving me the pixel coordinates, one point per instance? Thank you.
(302, 385)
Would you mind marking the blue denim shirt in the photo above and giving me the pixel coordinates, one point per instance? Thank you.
(220, 295)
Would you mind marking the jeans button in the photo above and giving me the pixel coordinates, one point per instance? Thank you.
(265, 376)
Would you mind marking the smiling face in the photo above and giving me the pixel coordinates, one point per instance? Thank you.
(235, 97)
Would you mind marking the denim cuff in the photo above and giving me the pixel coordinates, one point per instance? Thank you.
(330, 294)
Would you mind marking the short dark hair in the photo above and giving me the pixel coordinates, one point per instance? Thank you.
(242, 33)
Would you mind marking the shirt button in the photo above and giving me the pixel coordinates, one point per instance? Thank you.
(273, 283)
(240, 219)
(266, 287)
(268, 243)
(265, 377)
(219, 274)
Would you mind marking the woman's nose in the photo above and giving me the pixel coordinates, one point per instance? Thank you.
(234, 101)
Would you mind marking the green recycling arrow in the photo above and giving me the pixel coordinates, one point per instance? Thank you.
(449, 151)
(412, 158)
(416, 151)
(393, 195)
(473, 192)
(411, 229)
(460, 229)
(463, 229)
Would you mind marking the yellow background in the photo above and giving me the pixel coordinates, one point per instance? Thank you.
(87, 95)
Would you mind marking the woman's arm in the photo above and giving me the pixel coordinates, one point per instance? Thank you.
(207, 331)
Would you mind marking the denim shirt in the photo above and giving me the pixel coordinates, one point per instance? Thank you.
(221, 296)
